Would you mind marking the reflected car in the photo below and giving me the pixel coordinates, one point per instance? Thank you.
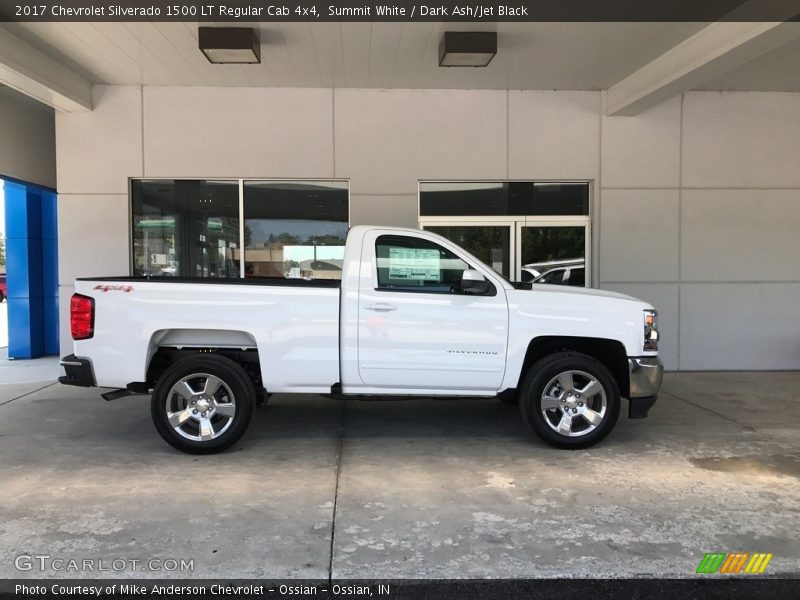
(534, 270)
(529, 274)
(3, 289)
(574, 276)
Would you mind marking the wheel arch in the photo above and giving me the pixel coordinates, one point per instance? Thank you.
(168, 346)
(608, 351)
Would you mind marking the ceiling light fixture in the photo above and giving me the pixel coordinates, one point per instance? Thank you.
(467, 48)
(229, 45)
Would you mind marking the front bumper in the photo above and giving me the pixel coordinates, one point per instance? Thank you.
(646, 374)
(78, 371)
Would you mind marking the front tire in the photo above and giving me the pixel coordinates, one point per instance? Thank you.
(203, 404)
(570, 400)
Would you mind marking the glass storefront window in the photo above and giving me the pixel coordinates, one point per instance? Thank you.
(526, 230)
(467, 198)
(192, 228)
(510, 198)
(185, 228)
(550, 199)
(295, 229)
(555, 255)
(492, 245)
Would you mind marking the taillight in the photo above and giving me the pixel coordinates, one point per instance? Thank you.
(81, 317)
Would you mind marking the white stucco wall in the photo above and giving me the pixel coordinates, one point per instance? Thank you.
(696, 201)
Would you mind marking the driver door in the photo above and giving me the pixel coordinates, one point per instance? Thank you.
(416, 328)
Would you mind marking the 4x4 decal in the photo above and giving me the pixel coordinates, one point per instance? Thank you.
(116, 288)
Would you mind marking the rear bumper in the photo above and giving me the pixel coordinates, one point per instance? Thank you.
(78, 371)
(646, 374)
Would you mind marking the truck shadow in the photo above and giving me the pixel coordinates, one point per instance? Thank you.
(454, 417)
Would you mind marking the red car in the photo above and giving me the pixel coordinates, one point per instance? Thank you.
(3, 291)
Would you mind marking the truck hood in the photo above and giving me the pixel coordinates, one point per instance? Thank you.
(558, 311)
(539, 288)
(573, 296)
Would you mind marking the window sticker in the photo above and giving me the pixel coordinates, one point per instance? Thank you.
(414, 264)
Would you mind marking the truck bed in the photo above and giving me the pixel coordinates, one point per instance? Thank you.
(293, 323)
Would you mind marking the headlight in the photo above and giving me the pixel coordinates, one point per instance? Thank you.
(650, 330)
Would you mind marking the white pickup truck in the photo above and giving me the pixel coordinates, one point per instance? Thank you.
(413, 315)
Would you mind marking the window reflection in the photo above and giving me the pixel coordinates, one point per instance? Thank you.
(490, 244)
(191, 228)
(295, 230)
(187, 228)
(555, 255)
(529, 198)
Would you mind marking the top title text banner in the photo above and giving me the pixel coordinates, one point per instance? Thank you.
(233, 11)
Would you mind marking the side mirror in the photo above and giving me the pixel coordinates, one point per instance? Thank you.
(473, 282)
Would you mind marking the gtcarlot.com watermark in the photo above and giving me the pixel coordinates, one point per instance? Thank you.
(60, 564)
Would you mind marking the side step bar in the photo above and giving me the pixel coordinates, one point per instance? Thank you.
(116, 394)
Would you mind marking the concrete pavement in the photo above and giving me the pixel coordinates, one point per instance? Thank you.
(39, 370)
(445, 488)
(23, 371)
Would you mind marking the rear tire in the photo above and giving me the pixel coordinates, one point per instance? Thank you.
(570, 400)
(203, 404)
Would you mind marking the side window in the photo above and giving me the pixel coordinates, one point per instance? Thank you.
(414, 264)
(577, 277)
(555, 276)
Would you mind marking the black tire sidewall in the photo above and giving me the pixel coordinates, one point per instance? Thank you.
(229, 372)
(541, 373)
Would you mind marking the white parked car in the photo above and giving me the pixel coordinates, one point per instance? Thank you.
(529, 274)
(533, 272)
(575, 276)
(413, 315)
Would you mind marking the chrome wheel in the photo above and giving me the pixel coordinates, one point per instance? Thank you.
(574, 403)
(200, 407)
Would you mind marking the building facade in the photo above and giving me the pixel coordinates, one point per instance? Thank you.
(693, 205)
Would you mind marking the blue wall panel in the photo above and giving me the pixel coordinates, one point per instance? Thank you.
(23, 212)
(49, 250)
(50, 320)
(32, 270)
(25, 328)
(17, 267)
(49, 213)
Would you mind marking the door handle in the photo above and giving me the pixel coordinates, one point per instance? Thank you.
(381, 307)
